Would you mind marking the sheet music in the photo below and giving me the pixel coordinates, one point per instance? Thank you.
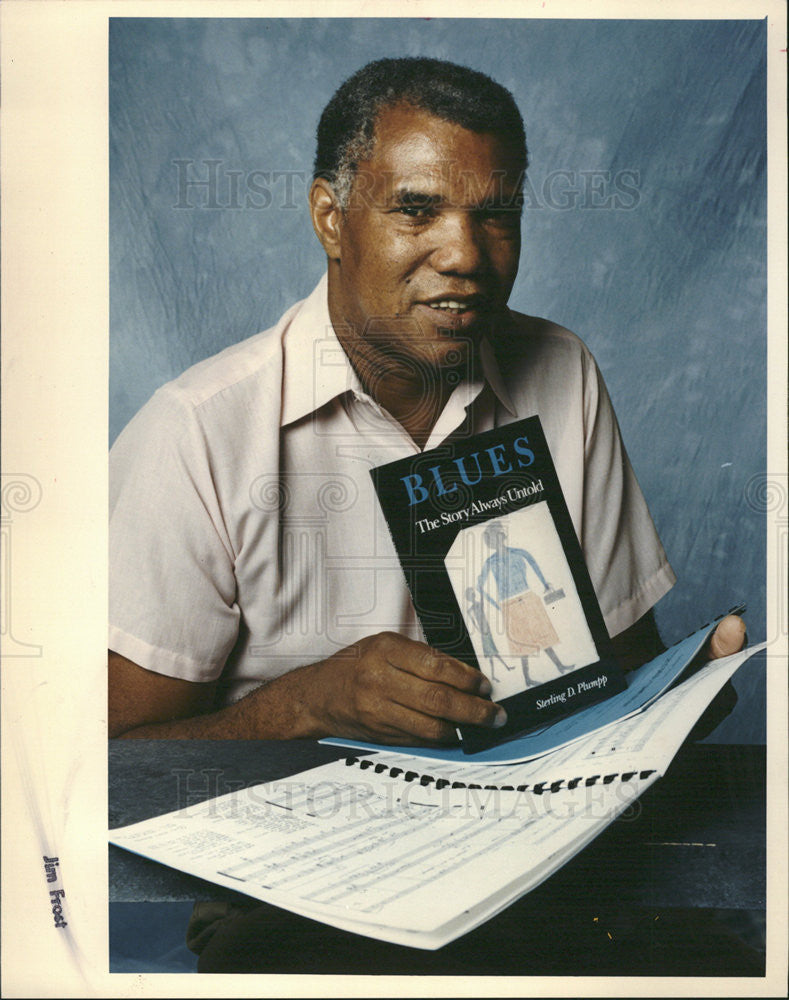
(383, 846)
(351, 848)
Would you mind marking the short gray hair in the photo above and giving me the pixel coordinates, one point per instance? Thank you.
(458, 94)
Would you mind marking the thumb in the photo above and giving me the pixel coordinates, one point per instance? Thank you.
(728, 637)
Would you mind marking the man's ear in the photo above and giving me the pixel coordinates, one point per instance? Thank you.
(326, 216)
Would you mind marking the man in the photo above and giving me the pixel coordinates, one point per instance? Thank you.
(254, 589)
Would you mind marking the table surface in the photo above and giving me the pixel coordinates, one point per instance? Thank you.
(696, 837)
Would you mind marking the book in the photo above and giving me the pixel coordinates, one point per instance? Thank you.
(497, 575)
(417, 851)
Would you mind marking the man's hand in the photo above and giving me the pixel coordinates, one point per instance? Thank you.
(384, 688)
(641, 642)
(390, 689)
(728, 638)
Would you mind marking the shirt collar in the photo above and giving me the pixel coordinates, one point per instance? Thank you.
(493, 376)
(316, 369)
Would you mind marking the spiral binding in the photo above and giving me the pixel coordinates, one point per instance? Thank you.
(365, 763)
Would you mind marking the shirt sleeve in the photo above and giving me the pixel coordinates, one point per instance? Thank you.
(172, 590)
(626, 560)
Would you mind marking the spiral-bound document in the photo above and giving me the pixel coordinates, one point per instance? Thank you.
(417, 851)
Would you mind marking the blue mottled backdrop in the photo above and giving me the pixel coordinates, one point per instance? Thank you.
(644, 231)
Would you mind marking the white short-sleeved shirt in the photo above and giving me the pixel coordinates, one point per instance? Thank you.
(245, 536)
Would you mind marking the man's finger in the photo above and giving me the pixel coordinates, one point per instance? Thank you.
(429, 728)
(728, 637)
(431, 665)
(437, 701)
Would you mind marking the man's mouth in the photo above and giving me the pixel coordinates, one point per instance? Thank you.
(450, 306)
(458, 305)
(457, 312)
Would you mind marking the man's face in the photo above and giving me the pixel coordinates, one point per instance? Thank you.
(429, 245)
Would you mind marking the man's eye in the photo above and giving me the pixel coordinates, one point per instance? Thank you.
(416, 211)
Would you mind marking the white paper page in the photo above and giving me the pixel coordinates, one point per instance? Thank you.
(649, 740)
(529, 860)
(375, 853)
(666, 723)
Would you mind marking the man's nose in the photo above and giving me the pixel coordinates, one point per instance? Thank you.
(460, 245)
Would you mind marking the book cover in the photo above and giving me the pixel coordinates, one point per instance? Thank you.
(497, 575)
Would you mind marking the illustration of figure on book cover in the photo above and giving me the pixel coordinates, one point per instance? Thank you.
(515, 590)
